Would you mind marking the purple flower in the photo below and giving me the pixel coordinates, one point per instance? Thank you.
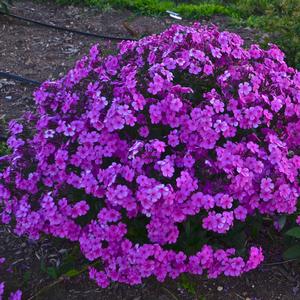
(276, 104)
(69, 130)
(15, 128)
(2, 287)
(240, 213)
(16, 296)
(208, 69)
(167, 170)
(178, 38)
(49, 133)
(244, 89)
(194, 69)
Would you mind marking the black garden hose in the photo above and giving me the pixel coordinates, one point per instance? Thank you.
(18, 78)
(101, 36)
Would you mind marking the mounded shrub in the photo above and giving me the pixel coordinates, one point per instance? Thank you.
(180, 134)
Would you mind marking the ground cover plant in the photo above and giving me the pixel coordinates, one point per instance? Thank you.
(152, 159)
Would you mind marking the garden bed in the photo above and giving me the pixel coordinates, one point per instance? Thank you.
(40, 53)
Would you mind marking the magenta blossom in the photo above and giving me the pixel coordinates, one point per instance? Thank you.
(126, 149)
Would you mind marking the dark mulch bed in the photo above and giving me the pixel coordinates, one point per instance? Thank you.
(40, 53)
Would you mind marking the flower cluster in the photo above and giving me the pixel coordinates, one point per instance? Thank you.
(187, 123)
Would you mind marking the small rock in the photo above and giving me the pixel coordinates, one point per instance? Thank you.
(219, 288)
(8, 97)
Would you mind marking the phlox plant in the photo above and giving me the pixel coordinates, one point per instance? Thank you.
(182, 134)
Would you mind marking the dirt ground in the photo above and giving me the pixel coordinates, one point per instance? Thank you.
(41, 53)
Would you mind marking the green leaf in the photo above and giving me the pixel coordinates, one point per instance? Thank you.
(282, 221)
(292, 253)
(188, 229)
(294, 232)
(43, 266)
(72, 273)
(255, 226)
(26, 277)
(51, 271)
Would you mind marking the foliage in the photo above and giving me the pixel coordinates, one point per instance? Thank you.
(293, 237)
(71, 265)
(3, 149)
(162, 159)
(156, 7)
(4, 5)
(204, 10)
(281, 19)
(251, 7)
(188, 284)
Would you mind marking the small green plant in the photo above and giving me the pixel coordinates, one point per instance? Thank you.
(4, 5)
(186, 283)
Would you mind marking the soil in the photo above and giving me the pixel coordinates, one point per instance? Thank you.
(42, 53)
